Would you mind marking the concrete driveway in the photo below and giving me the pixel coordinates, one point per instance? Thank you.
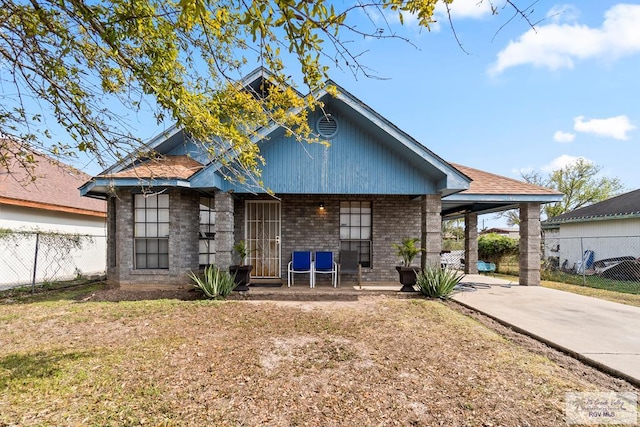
(603, 333)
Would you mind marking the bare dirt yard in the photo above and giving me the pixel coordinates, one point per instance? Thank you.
(106, 360)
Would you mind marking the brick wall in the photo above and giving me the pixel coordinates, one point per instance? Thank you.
(306, 227)
(183, 241)
(394, 218)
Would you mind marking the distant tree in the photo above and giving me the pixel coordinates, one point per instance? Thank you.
(453, 234)
(90, 66)
(579, 184)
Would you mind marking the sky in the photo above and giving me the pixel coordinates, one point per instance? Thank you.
(509, 98)
(513, 98)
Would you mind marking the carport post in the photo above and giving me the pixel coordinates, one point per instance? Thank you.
(471, 243)
(530, 244)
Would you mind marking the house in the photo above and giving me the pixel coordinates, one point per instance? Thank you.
(608, 230)
(513, 233)
(371, 187)
(45, 202)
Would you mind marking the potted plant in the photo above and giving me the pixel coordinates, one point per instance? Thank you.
(242, 271)
(407, 250)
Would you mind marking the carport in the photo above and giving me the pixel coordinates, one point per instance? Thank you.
(489, 193)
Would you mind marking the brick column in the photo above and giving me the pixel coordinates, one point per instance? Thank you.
(184, 219)
(471, 243)
(530, 244)
(123, 235)
(224, 229)
(431, 225)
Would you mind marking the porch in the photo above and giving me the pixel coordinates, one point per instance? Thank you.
(348, 291)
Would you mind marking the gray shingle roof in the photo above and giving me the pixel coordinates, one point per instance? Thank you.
(624, 205)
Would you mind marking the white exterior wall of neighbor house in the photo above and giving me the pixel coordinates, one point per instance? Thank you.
(606, 238)
(20, 218)
(16, 267)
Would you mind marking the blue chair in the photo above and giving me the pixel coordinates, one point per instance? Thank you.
(486, 267)
(300, 263)
(324, 264)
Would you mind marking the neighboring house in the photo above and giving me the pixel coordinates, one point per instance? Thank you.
(513, 233)
(610, 229)
(45, 201)
(370, 188)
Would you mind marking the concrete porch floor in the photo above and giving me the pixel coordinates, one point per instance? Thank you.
(323, 291)
(347, 290)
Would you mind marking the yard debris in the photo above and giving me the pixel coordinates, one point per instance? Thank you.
(377, 361)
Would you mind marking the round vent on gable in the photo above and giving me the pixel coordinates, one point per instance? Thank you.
(327, 126)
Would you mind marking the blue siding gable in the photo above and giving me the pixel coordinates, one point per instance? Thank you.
(355, 162)
(366, 156)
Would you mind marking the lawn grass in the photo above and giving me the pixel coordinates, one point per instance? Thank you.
(377, 361)
(610, 294)
(53, 291)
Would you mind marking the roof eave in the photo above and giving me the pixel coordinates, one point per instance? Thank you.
(632, 215)
(506, 198)
(103, 186)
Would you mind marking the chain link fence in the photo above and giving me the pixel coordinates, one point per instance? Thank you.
(34, 258)
(604, 262)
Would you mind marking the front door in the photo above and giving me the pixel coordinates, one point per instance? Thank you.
(263, 237)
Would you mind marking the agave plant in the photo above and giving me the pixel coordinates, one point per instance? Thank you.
(436, 282)
(214, 283)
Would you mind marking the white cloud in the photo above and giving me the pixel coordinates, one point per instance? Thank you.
(562, 162)
(563, 13)
(557, 45)
(614, 127)
(560, 136)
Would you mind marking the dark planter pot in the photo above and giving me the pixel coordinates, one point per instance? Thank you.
(242, 274)
(407, 278)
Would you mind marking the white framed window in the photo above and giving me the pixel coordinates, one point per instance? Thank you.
(151, 231)
(356, 229)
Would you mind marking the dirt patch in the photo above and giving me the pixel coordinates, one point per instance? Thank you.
(376, 361)
(115, 294)
(369, 303)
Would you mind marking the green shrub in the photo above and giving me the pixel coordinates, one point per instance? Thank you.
(436, 282)
(492, 247)
(214, 283)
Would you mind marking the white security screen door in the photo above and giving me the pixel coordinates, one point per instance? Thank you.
(262, 235)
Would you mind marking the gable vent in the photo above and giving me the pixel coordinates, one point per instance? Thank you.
(327, 126)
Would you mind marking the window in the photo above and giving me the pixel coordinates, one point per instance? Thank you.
(207, 248)
(151, 231)
(355, 230)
